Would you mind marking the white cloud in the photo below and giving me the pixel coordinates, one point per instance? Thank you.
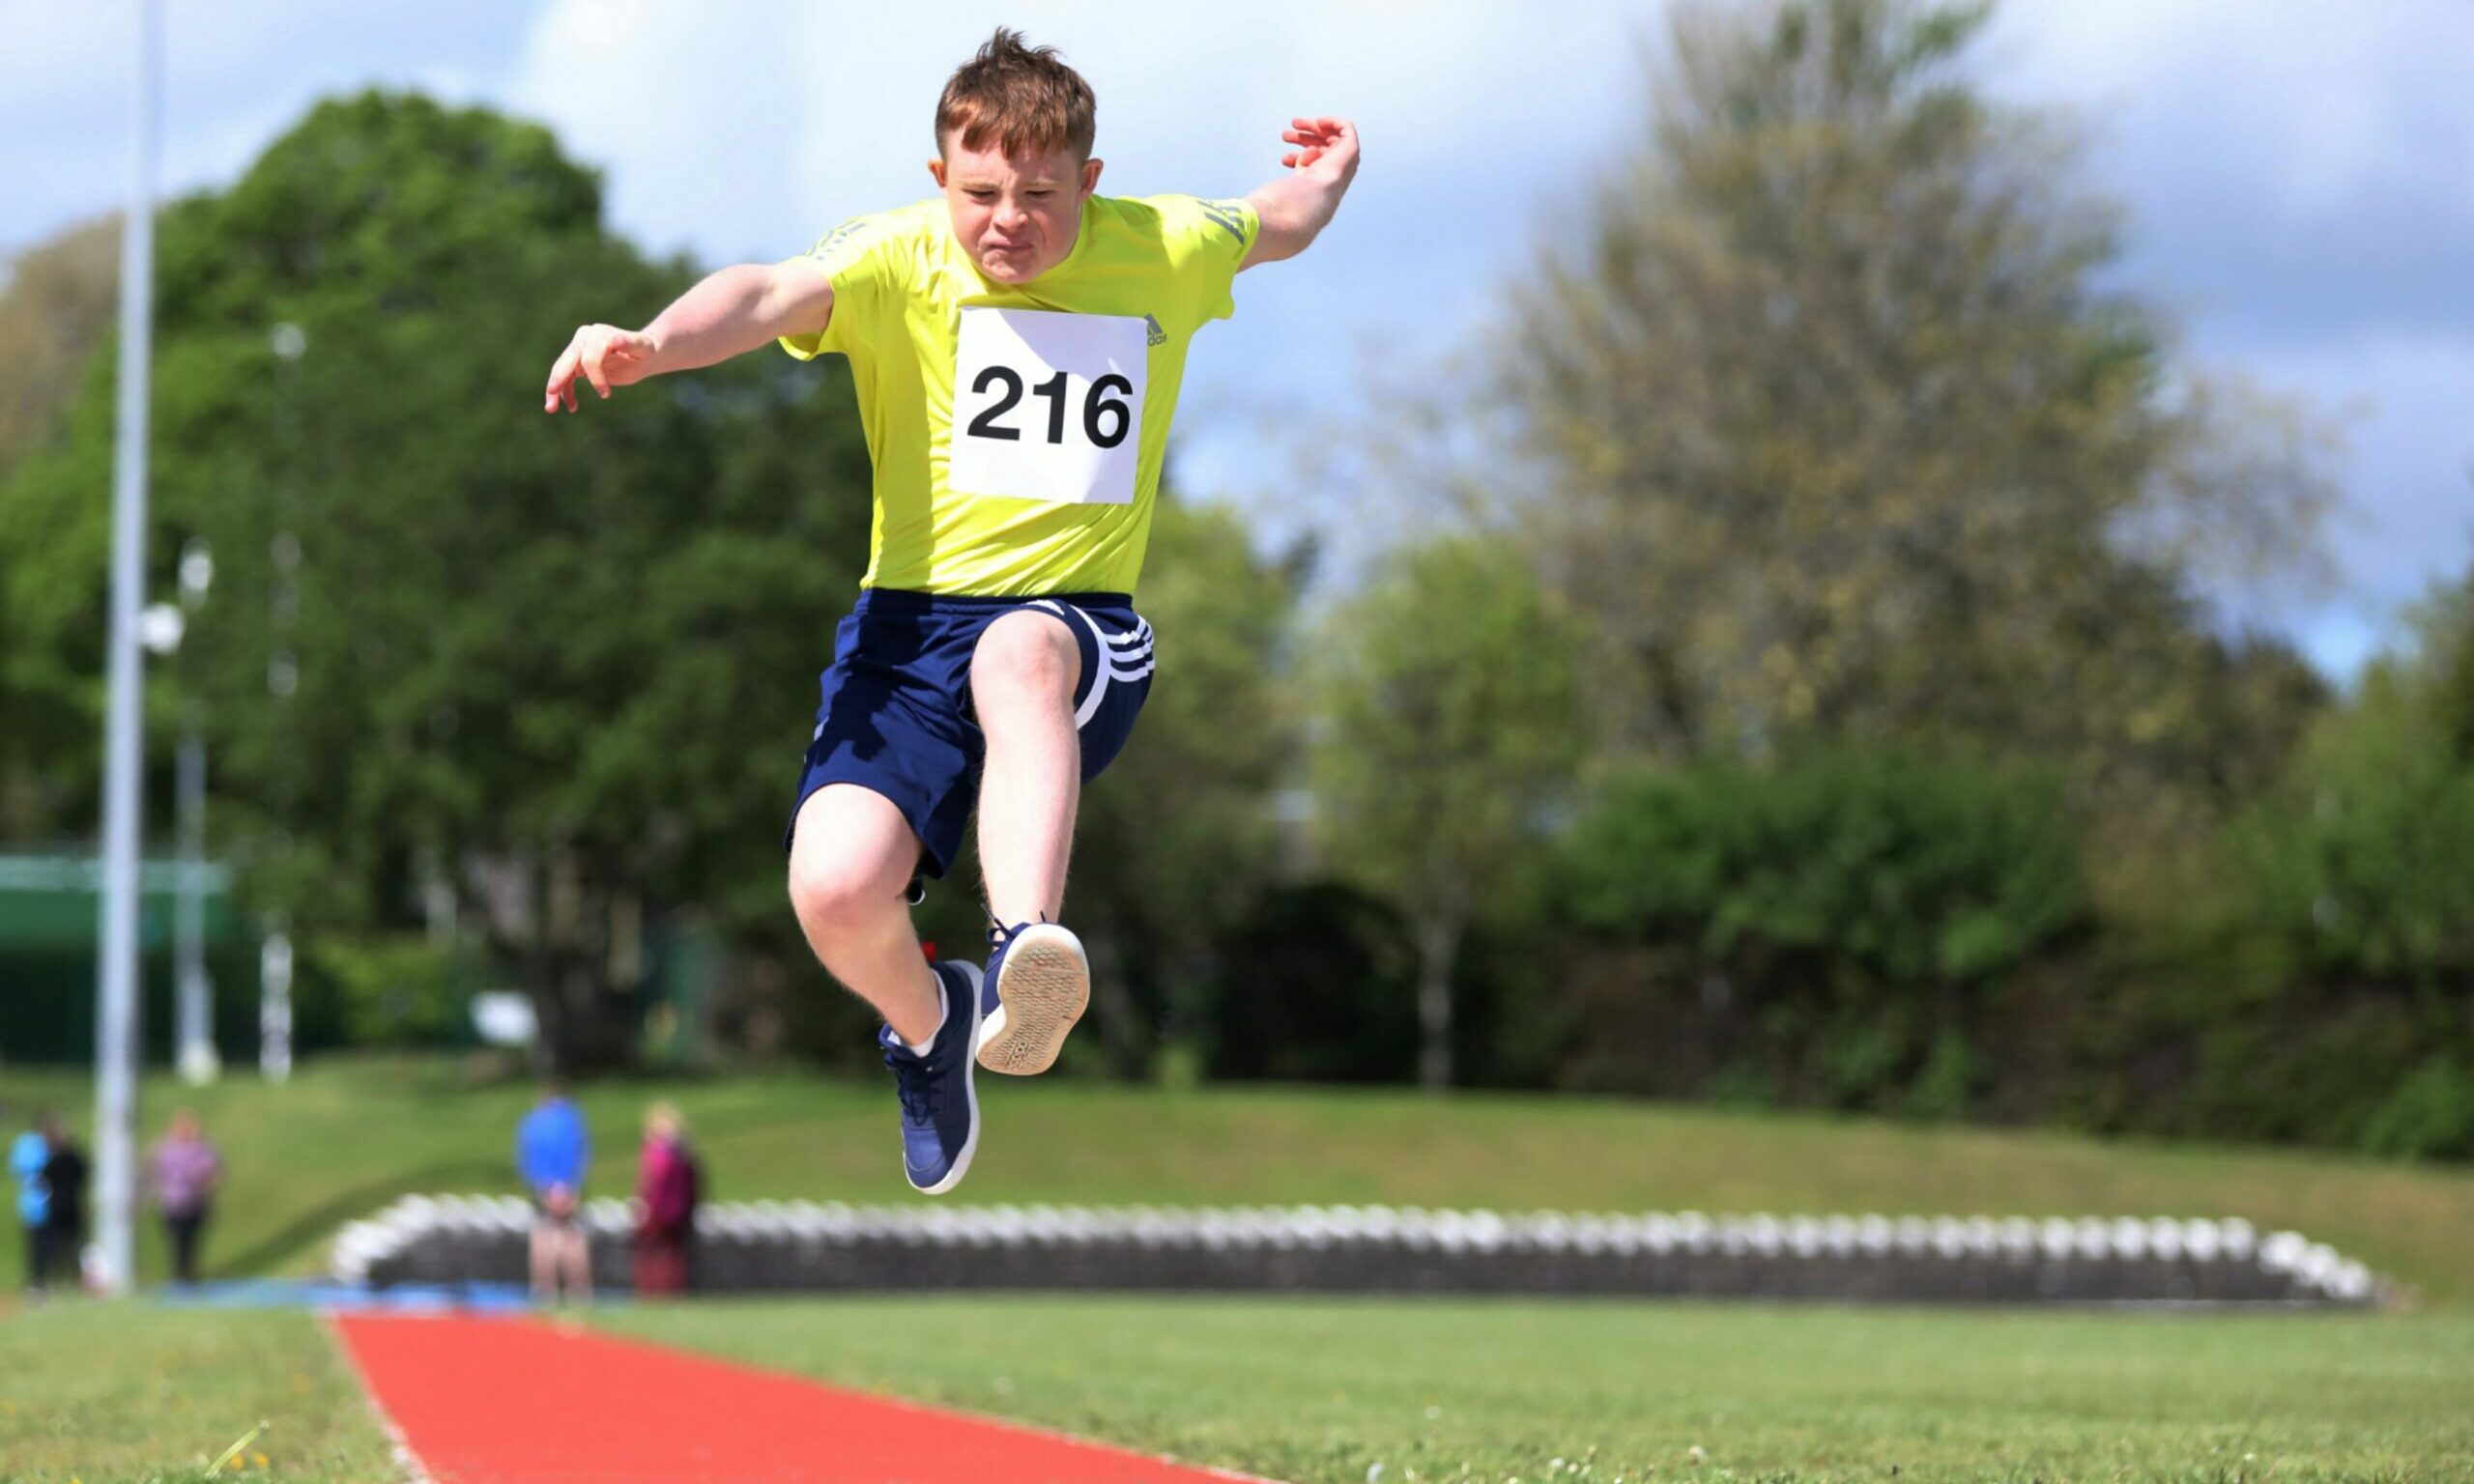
(236, 73)
(695, 111)
(2286, 165)
(2310, 86)
(744, 118)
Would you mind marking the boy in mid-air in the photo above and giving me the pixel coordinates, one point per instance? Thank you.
(1016, 347)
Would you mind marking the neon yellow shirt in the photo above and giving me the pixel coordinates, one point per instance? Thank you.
(1043, 491)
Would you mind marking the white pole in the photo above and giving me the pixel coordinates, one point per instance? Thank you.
(274, 1003)
(116, 1043)
(197, 1060)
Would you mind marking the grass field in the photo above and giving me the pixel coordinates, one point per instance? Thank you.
(352, 1133)
(104, 1393)
(348, 1135)
(1322, 1391)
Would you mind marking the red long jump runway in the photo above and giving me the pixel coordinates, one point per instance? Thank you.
(515, 1401)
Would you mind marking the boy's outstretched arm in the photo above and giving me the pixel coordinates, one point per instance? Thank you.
(733, 312)
(1299, 204)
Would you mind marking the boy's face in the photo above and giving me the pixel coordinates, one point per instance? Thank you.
(1015, 214)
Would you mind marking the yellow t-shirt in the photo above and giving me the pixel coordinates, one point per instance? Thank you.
(1042, 491)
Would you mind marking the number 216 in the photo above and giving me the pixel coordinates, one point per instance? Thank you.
(1106, 418)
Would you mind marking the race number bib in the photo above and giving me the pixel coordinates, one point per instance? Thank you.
(1049, 405)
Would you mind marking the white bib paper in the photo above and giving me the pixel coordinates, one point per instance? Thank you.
(1049, 405)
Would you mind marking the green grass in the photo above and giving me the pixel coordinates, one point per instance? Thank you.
(1320, 1391)
(103, 1392)
(350, 1135)
(1313, 1390)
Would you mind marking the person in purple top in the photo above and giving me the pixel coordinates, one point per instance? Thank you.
(181, 1174)
(667, 1188)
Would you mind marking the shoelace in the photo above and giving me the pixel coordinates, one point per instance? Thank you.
(998, 934)
(911, 1084)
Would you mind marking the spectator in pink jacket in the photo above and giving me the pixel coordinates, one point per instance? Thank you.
(667, 1188)
(182, 1175)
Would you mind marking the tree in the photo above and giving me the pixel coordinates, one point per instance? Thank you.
(1845, 909)
(56, 308)
(2358, 857)
(1841, 431)
(60, 299)
(1446, 731)
(562, 666)
(2444, 626)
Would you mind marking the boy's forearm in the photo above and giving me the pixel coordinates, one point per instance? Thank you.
(1306, 202)
(729, 312)
(1294, 210)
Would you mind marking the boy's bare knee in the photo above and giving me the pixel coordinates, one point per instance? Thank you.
(833, 898)
(1024, 656)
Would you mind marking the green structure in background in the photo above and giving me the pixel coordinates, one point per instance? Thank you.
(48, 909)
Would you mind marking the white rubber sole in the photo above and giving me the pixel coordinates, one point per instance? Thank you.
(1042, 989)
(970, 1100)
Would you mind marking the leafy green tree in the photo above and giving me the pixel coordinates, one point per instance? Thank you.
(1849, 905)
(2359, 857)
(562, 666)
(60, 297)
(1912, 865)
(55, 309)
(2352, 891)
(1842, 430)
(1445, 733)
(2444, 627)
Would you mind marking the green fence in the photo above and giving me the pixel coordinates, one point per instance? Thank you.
(49, 906)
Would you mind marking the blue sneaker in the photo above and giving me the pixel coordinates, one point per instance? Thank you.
(940, 1110)
(1035, 988)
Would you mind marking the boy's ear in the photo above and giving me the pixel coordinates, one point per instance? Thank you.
(936, 172)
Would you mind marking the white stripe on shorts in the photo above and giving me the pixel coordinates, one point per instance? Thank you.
(1090, 706)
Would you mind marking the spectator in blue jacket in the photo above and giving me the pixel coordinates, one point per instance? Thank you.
(26, 1159)
(551, 1152)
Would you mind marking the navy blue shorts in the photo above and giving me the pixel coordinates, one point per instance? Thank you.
(897, 715)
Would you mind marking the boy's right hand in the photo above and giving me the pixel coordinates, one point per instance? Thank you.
(603, 355)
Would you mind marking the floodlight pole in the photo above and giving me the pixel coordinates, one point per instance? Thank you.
(193, 990)
(116, 1043)
(193, 993)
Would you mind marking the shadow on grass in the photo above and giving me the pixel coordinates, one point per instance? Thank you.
(320, 1220)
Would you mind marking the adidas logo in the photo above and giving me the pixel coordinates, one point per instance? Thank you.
(1159, 336)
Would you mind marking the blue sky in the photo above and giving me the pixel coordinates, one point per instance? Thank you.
(2299, 177)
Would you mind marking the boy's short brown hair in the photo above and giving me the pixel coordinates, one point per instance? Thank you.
(1020, 98)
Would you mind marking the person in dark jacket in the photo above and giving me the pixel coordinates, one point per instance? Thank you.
(668, 1186)
(64, 1224)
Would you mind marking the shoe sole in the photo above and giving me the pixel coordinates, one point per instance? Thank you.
(970, 1100)
(1042, 988)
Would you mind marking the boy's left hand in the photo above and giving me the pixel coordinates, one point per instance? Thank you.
(1328, 142)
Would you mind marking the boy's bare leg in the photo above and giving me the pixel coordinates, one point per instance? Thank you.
(544, 1264)
(576, 1258)
(1022, 676)
(851, 855)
